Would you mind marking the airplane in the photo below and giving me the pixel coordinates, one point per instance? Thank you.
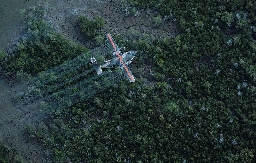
(119, 59)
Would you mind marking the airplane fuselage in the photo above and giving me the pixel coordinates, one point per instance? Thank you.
(126, 59)
(119, 59)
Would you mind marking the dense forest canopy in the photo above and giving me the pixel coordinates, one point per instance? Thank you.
(200, 105)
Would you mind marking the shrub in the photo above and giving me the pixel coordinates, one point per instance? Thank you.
(8, 155)
(2, 56)
(91, 28)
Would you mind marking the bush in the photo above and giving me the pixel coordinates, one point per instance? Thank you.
(8, 155)
(2, 56)
(91, 28)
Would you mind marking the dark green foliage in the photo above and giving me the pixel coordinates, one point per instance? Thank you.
(7, 155)
(2, 55)
(33, 55)
(91, 28)
(41, 49)
(140, 123)
(230, 16)
(201, 106)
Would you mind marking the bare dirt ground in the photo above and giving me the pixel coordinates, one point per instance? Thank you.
(118, 19)
(62, 14)
(11, 20)
(14, 119)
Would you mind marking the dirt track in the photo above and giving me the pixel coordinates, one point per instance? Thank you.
(14, 116)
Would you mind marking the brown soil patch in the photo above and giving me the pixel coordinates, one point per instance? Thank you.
(63, 18)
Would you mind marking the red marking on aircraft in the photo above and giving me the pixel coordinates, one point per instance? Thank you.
(120, 57)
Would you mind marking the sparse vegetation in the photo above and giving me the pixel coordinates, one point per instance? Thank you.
(157, 20)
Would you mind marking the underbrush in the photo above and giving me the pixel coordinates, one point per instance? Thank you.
(8, 155)
(91, 28)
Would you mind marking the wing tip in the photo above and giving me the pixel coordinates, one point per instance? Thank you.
(132, 80)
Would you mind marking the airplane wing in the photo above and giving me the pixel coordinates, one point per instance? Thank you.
(117, 53)
(113, 44)
(121, 62)
(127, 72)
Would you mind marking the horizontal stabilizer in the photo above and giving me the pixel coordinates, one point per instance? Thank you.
(98, 70)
